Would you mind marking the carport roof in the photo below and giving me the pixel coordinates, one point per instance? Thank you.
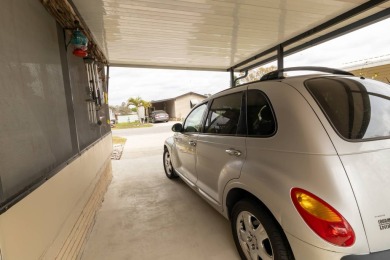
(216, 34)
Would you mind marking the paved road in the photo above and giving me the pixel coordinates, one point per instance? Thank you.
(144, 141)
(155, 129)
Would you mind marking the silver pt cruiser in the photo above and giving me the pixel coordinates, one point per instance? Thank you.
(299, 165)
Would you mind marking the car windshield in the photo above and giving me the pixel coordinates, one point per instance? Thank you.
(159, 111)
(357, 108)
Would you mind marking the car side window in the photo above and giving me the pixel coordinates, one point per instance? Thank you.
(260, 116)
(224, 114)
(193, 123)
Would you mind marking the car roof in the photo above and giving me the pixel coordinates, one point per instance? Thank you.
(290, 80)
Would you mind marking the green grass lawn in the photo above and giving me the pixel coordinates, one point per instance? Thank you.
(131, 125)
(118, 140)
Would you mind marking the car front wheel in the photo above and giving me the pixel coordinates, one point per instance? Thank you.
(169, 171)
(256, 233)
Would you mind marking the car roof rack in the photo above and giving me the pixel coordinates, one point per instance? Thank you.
(278, 74)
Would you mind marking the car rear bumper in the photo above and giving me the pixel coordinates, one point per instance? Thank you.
(161, 119)
(373, 256)
(303, 250)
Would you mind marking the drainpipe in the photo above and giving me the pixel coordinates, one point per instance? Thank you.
(243, 76)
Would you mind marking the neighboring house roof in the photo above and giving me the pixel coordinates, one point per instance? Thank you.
(377, 68)
(168, 99)
(368, 63)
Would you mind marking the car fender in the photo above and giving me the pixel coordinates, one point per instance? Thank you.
(170, 144)
(272, 186)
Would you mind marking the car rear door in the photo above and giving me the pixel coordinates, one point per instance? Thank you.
(220, 150)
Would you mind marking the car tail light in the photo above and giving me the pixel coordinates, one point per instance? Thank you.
(322, 218)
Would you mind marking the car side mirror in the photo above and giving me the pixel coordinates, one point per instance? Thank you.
(177, 127)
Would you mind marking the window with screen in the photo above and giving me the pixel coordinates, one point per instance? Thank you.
(43, 103)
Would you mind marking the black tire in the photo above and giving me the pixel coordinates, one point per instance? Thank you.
(259, 243)
(168, 168)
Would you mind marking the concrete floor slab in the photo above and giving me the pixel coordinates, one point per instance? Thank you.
(147, 216)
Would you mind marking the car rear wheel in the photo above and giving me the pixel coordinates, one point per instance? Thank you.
(169, 171)
(256, 233)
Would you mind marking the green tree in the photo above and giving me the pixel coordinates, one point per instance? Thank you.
(121, 109)
(138, 101)
(134, 101)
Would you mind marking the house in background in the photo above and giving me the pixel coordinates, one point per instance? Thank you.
(177, 107)
(375, 68)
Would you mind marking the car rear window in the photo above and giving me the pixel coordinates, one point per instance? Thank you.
(358, 109)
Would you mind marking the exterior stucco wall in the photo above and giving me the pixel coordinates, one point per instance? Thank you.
(127, 118)
(170, 105)
(183, 106)
(37, 226)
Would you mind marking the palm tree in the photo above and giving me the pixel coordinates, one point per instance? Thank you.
(138, 101)
(134, 101)
(146, 104)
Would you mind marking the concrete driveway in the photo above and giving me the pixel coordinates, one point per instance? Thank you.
(147, 216)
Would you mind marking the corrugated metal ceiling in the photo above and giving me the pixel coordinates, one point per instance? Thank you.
(204, 34)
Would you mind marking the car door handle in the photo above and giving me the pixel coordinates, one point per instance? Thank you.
(192, 143)
(232, 151)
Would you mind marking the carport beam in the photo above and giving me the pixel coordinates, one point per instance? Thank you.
(232, 82)
(332, 22)
(107, 76)
(280, 55)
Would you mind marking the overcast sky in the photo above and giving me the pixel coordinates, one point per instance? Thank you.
(359, 47)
